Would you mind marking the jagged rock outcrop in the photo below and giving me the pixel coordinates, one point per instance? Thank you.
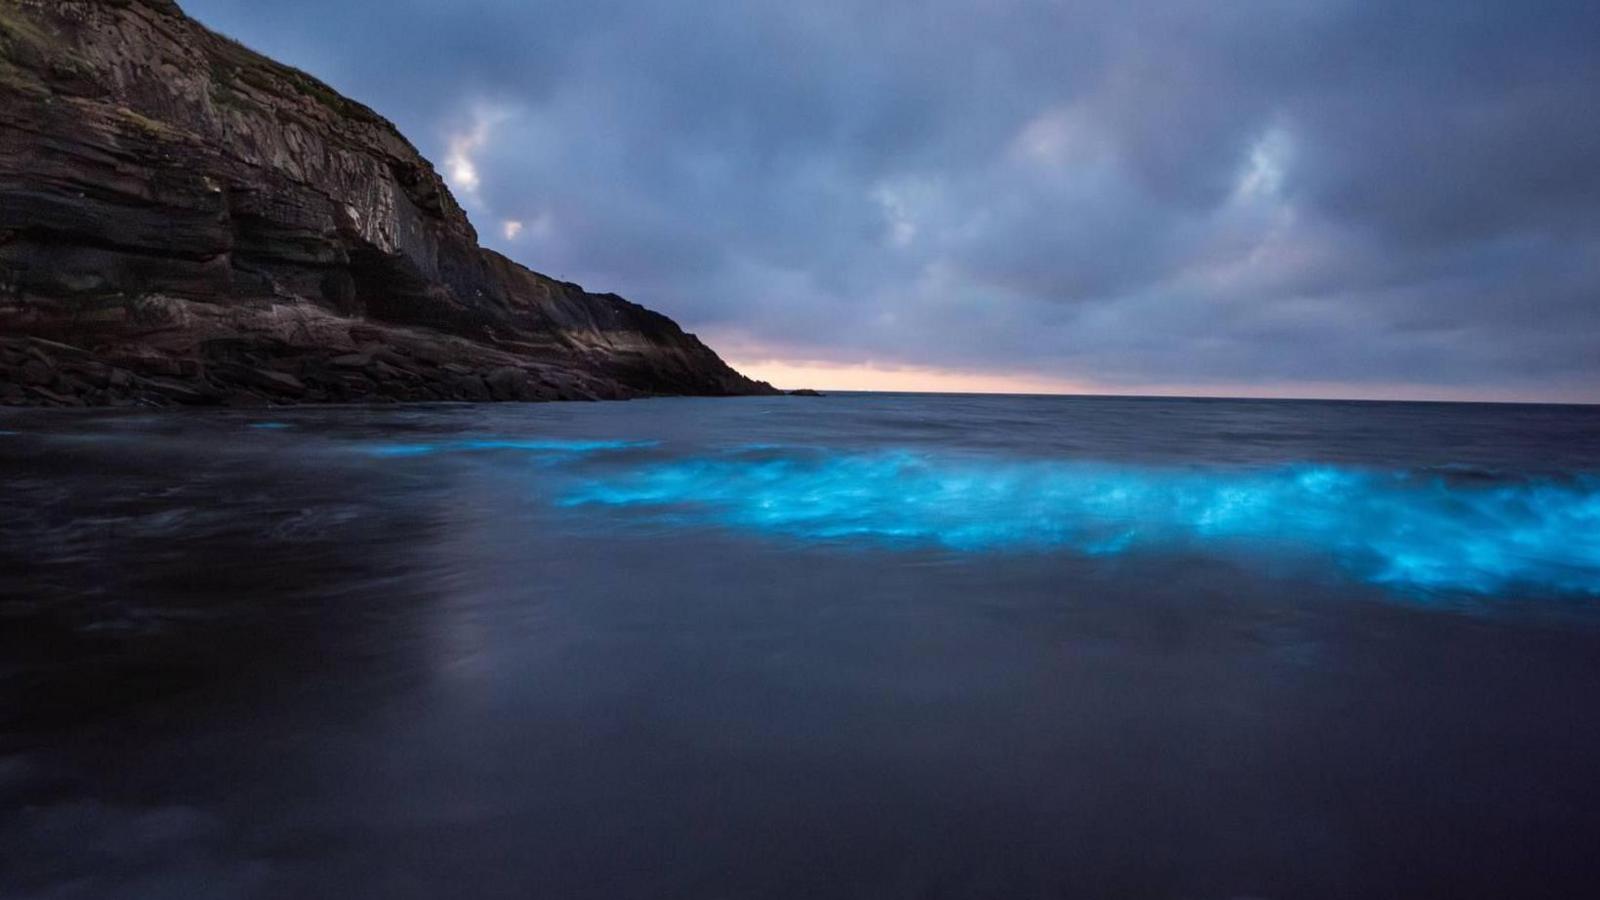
(184, 220)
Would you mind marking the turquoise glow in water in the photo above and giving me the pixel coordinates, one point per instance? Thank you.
(1408, 530)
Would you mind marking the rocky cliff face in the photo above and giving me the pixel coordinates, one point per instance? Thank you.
(184, 220)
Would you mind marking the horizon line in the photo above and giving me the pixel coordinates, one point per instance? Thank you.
(1091, 395)
(870, 377)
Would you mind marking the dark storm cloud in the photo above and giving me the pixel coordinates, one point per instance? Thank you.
(1174, 192)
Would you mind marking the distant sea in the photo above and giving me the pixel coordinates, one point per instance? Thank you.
(865, 645)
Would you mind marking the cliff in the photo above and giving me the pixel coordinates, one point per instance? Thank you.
(183, 220)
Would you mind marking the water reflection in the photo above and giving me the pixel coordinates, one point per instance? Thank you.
(882, 647)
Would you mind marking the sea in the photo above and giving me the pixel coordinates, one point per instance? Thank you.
(857, 646)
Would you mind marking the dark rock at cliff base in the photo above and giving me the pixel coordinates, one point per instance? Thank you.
(806, 392)
(183, 220)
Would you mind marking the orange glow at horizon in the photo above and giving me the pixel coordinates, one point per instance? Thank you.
(789, 374)
(825, 376)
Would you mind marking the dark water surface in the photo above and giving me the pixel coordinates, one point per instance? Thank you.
(869, 646)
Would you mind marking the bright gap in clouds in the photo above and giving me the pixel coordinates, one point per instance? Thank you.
(461, 156)
(869, 376)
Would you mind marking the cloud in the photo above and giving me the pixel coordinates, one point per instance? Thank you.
(1339, 192)
(459, 167)
(462, 148)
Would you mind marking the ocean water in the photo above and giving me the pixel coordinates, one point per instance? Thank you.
(870, 646)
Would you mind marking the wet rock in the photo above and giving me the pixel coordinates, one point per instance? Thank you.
(394, 360)
(178, 392)
(55, 397)
(36, 372)
(469, 387)
(73, 386)
(159, 365)
(383, 372)
(507, 383)
(45, 349)
(281, 382)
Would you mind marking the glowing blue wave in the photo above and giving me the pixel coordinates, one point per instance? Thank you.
(1409, 530)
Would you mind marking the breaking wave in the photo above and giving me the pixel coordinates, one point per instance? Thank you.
(1408, 529)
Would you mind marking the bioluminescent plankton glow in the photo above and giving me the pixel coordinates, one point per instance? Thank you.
(1411, 530)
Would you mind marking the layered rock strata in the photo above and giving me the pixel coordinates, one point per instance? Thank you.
(183, 220)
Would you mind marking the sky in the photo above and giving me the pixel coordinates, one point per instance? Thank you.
(1287, 198)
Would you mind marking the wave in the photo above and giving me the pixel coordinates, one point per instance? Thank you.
(1427, 530)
